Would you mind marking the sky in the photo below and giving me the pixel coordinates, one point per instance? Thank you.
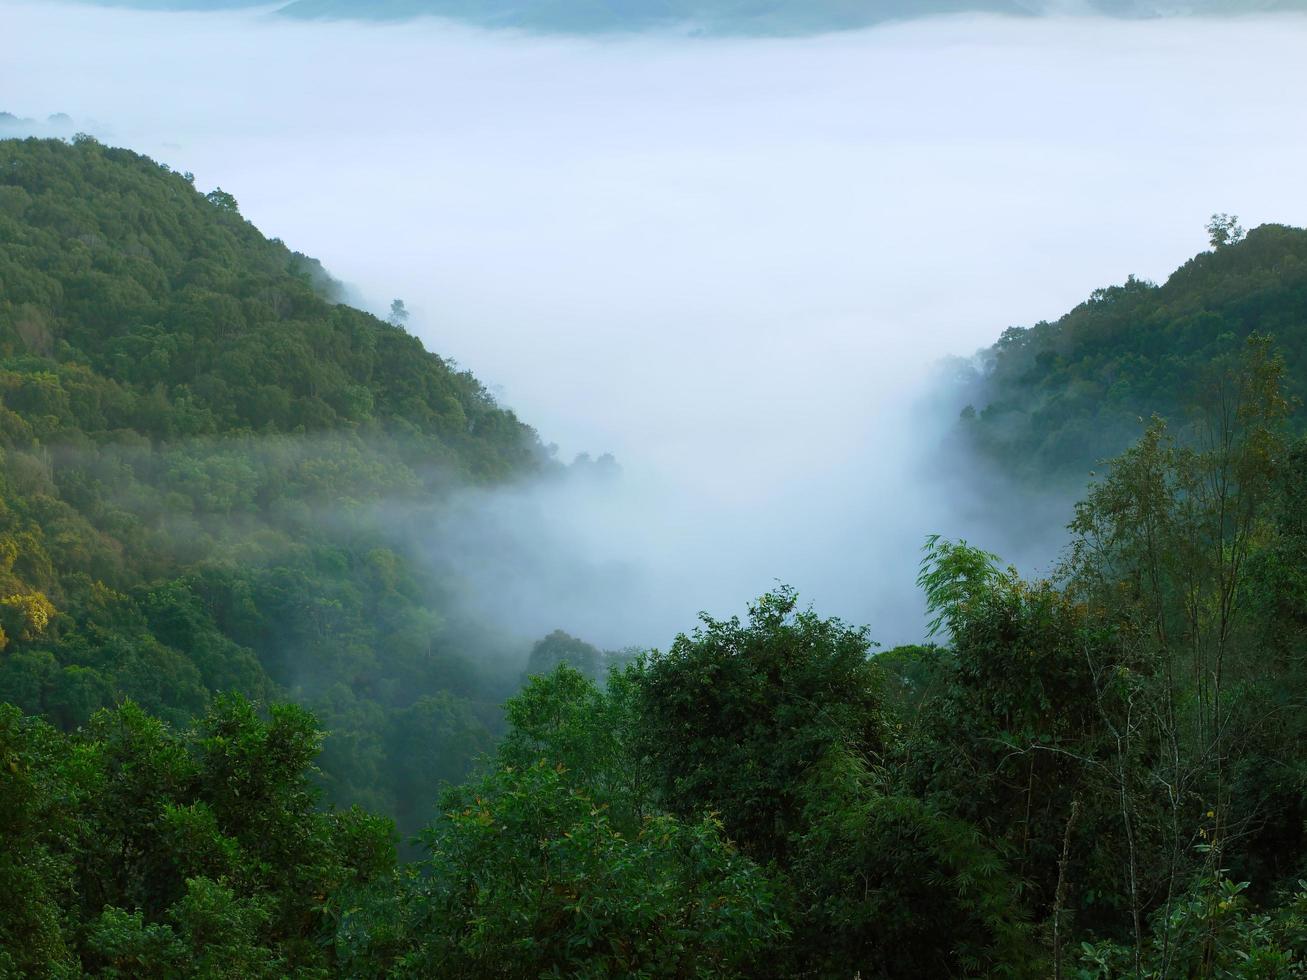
(732, 263)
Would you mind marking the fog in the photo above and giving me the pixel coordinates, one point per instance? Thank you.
(734, 264)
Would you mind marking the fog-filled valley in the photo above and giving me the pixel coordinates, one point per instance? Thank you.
(425, 372)
(732, 265)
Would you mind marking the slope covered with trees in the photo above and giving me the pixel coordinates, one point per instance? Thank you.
(197, 442)
(1050, 401)
(1098, 774)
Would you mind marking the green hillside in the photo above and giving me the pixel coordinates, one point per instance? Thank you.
(1052, 400)
(210, 474)
(162, 311)
(196, 441)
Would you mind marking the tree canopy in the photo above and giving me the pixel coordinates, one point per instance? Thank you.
(209, 470)
(1049, 402)
(216, 640)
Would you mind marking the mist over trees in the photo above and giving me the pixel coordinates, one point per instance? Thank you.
(198, 443)
(231, 690)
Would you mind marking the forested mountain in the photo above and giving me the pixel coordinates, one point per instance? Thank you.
(747, 17)
(58, 124)
(735, 16)
(710, 16)
(1100, 774)
(175, 318)
(197, 441)
(1050, 401)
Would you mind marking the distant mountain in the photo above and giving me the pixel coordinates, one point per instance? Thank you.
(707, 16)
(182, 4)
(737, 17)
(1170, 8)
(59, 124)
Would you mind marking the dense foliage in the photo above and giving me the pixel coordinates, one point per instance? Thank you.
(127, 850)
(208, 473)
(1100, 774)
(1051, 401)
(1132, 733)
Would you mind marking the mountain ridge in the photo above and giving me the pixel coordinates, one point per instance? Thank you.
(1052, 400)
(215, 477)
(709, 17)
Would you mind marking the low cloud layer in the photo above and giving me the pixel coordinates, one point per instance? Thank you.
(732, 263)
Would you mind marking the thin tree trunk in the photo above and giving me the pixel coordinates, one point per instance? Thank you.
(1059, 895)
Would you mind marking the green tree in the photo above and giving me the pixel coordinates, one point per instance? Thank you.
(562, 648)
(553, 864)
(735, 714)
(398, 315)
(777, 726)
(39, 797)
(1224, 229)
(221, 200)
